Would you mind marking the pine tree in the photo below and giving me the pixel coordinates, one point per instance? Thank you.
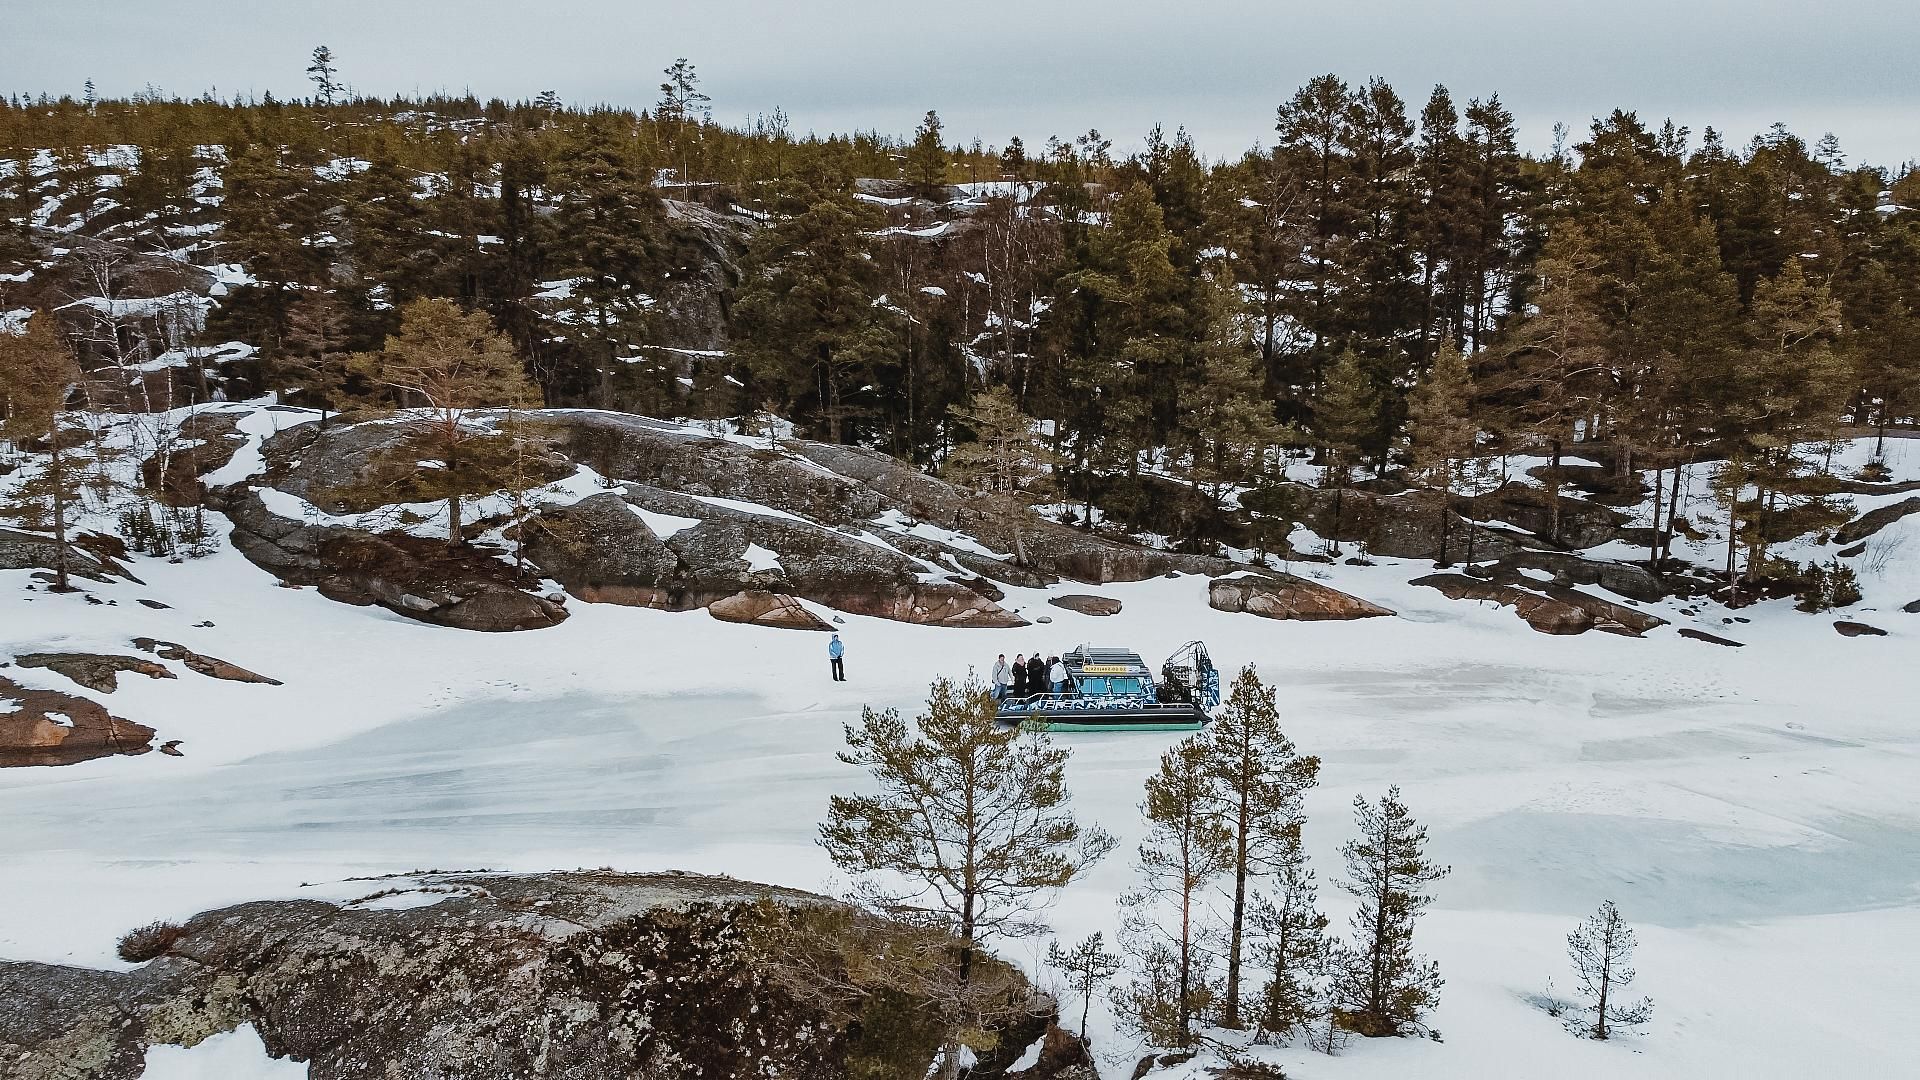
(1087, 965)
(1344, 418)
(324, 76)
(1290, 939)
(609, 240)
(37, 371)
(1442, 431)
(1005, 460)
(1602, 953)
(683, 108)
(1257, 781)
(926, 163)
(1186, 848)
(1381, 987)
(451, 363)
(806, 320)
(969, 823)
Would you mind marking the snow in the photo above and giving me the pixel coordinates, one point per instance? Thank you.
(759, 558)
(664, 525)
(232, 1055)
(1752, 811)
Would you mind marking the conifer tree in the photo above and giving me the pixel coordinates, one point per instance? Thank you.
(926, 163)
(1005, 460)
(683, 108)
(1601, 949)
(1258, 779)
(807, 323)
(969, 824)
(1087, 966)
(324, 76)
(1186, 848)
(1290, 939)
(1344, 418)
(451, 363)
(1441, 428)
(37, 371)
(1381, 987)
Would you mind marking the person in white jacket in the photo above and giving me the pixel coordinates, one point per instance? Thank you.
(1001, 677)
(1057, 675)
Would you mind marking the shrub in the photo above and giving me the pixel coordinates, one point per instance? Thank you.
(1823, 588)
(141, 944)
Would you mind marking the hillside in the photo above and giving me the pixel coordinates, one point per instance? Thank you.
(1747, 807)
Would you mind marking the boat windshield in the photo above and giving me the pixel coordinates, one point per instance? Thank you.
(1103, 685)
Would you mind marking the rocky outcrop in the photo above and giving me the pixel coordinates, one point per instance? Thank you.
(46, 727)
(1284, 596)
(1086, 604)
(1567, 569)
(603, 549)
(211, 666)
(588, 975)
(759, 607)
(205, 442)
(31, 551)
(419, 578)
(1403, 526)
(1874, 520)
(1543, 613)
(1849, 628)
(98, 672)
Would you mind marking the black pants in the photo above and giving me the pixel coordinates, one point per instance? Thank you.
(839, 669)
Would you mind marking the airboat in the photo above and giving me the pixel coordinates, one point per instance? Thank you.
(1109, 689)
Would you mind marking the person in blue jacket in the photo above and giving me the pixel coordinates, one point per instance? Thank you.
(835, 651)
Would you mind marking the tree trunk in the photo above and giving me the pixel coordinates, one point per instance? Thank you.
(1230, 1014)
(1653, 541)
(57, 473)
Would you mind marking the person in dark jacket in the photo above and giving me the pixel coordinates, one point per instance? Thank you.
(1019, 677)
(1036, 675)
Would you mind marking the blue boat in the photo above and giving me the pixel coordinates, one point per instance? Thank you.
(1110, 689)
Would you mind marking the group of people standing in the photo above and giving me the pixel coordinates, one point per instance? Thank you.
(1027, 676)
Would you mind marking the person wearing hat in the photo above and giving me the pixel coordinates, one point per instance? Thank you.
(835, 651)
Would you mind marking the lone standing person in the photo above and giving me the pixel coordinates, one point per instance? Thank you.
(835, 651)
(1001, 677)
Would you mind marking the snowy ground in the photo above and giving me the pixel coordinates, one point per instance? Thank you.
(1755, 812)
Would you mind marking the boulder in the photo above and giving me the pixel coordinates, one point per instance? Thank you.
(1912, 607)
(1711, 639)
(1086, 603)
(46, 727)
(583, 975)
(1849, 628)
(1543, 613)
(98, 672)
(1284, 596)
(211, 666)
(762, 608)
(1874, 520)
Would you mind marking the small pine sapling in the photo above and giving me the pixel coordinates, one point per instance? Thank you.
(1602, 953)
(1086, 966)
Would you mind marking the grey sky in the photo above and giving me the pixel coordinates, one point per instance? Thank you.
(994, 68)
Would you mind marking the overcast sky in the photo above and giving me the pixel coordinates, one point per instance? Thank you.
(995, 68)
